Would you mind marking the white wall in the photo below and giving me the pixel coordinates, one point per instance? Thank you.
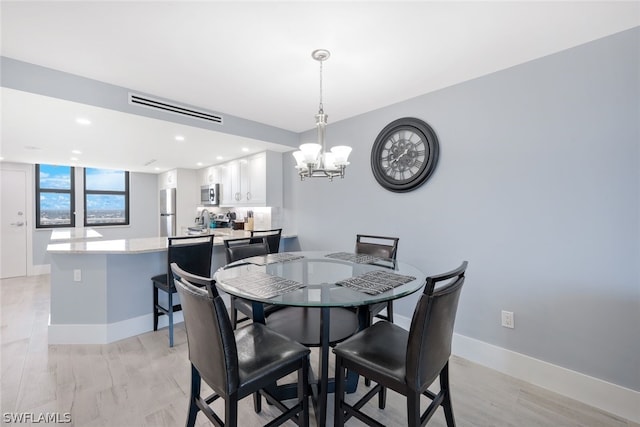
(537, 186)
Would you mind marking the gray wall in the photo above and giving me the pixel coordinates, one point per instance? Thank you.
(537, 186)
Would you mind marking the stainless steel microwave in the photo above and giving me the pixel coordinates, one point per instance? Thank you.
(210, 195)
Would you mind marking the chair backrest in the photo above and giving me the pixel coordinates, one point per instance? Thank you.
(191, 253)
(273, 238)
(431, 330)
(210, 337)
(236, 249)
(380, 246)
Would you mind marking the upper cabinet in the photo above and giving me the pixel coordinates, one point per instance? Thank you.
(254, 180)
(211, 175)
(168, 179)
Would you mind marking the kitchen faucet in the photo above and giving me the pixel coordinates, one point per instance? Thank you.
(205, 218)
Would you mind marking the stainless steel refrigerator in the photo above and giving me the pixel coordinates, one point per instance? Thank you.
(168, 212)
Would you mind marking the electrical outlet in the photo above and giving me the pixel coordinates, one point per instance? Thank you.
(77, 275)
(507, 319)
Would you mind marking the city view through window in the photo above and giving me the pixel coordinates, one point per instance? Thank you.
(105, 196)
(55, 185)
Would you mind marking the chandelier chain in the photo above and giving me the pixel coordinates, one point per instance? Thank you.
(321, 108)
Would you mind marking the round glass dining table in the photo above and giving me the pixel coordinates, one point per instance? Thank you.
(322, 280)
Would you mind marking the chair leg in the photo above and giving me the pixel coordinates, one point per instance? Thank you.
(382, 397)
(195, 395)
(170, 319)
(234, 313)
(446, 401)
(390, 311)
(257, 402)
(338, 413)
(155, 308)
(367, 381)
(413, 409)
(231, 411)
(303, 393)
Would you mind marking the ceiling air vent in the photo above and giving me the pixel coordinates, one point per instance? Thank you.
(145, 101)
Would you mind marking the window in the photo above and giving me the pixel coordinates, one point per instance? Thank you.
(106, 197)
(54, 196)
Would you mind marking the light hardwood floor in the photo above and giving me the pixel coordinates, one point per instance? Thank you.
(140, 381)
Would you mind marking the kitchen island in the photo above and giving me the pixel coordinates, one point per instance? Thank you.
(101, 289)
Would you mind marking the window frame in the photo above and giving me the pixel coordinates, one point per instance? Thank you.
(72, 198)
(124, 193)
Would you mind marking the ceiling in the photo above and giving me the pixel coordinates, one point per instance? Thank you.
(253, 60)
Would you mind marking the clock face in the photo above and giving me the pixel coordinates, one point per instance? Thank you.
(404, 154)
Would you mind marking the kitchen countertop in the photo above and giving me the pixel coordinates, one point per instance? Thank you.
(138, 245)
(75, 234)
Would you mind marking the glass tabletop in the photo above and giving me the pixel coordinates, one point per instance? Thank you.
(319, 279)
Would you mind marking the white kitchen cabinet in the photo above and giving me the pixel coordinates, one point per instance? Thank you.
(256, 183)
(226, 187)
(208, 176)
(252, 181)
(212, 175)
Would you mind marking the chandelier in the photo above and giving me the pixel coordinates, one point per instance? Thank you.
(313, 161)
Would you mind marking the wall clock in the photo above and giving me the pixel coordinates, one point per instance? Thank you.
(404, 155)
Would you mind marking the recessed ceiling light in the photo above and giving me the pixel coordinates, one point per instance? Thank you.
(179, 138)
(74, 159)
(1, 159)
(199, 164)
(83, 121)
(245, 149)
(157, 168)
(76, 152)
(219, 157)
(32, 147)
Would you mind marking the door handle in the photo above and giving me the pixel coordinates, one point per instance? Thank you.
(19, 224)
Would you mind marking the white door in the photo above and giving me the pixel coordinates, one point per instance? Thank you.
(13, 224)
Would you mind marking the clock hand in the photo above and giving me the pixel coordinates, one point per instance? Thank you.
(406, 150)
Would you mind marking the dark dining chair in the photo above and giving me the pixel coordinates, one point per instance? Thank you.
(405, 361)
(193, 254)
(244, 247)
(235, 364)
(273, 238)
(382, 247)
(235, 250)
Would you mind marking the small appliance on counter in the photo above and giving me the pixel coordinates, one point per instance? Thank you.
(221, 220)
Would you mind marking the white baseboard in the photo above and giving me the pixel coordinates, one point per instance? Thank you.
(106, 333)
(111, 332)
(37, 270)
(592, 391)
